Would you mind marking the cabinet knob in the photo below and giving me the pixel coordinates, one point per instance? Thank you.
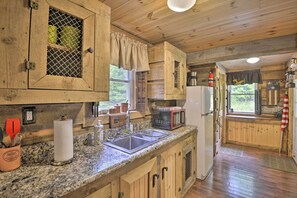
(179, 189)
(90, 50)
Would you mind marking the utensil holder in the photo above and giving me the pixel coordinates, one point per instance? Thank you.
(10, 158)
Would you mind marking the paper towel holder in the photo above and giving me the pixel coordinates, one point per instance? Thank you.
(55, 163)
(61, 163)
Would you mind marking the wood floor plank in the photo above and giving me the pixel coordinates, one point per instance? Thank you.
(236, 176)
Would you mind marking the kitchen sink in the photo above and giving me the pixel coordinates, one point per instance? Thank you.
(132, 143)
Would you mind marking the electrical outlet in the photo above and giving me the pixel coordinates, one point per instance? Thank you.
(29, 115)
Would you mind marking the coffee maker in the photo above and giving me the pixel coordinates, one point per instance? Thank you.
(192, 79)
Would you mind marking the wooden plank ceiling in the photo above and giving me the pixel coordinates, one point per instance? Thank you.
(209, 24)
(241, 64)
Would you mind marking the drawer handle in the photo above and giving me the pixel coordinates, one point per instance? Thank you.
(154, 179)
(163, 171)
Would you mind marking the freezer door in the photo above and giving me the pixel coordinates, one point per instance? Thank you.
(193, 106)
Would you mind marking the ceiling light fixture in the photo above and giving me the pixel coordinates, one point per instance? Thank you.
(253, 60)
(180, 5)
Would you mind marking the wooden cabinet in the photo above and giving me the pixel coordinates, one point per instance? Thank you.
(141, 182)
(188, 163)
(57, 53)
(167, 76)
(168, 175)
(171, 172)
(108, 191)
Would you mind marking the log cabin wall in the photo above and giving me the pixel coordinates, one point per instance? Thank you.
(42, 130)
(219, 98)
(260, 131)
(81, 113)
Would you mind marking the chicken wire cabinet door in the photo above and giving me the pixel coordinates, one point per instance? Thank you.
(62, 46)
(175, 64)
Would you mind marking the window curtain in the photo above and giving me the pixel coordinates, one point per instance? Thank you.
(245, 77)
(128, 53)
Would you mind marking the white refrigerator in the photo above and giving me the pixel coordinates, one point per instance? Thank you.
(199, 112)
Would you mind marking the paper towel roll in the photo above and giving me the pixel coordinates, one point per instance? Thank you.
(63, 140)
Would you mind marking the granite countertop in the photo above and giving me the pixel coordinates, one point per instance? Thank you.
(40, 179)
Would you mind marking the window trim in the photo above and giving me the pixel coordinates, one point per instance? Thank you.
(241, 112)
(131, 92)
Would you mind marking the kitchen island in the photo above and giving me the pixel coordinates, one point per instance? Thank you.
(92, 166)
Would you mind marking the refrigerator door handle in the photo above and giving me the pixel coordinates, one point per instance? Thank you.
(206, 114)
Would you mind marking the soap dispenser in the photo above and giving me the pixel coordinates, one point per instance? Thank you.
(98, 133)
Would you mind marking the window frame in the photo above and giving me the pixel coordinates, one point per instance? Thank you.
(131, 92)
(256, 89)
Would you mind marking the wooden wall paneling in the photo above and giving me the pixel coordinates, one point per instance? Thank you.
(270, 46)
(14, 48)
(42, 130)
(29, 96)
(156, 71)
(258, 133)
(150, 21)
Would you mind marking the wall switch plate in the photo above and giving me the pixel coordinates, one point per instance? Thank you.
(29, 115)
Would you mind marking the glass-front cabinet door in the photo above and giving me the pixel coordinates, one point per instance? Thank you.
(62, 46)
(176, 76)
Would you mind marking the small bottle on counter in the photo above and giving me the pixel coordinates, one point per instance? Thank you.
(99, 133)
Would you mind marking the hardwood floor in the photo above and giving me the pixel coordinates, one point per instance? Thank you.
(238, 172)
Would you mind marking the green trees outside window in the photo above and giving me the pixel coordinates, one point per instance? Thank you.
(242, 98)
(119, 87)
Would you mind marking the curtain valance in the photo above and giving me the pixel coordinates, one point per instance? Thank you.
(128, 53)
(244, 77)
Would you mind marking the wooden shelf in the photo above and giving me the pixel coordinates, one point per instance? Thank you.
(63, 48)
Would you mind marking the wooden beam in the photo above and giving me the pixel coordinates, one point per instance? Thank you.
(271, 46)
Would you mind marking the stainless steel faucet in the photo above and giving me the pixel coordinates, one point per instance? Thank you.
(128, 116)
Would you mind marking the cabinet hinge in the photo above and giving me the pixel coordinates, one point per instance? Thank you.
(29, 65)
(120, 195)
(33, 4)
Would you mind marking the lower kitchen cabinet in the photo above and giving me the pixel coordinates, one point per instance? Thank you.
(142, 182)
(171, 172)
(189, 162)
(108, 191)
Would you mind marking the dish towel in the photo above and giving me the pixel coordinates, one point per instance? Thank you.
(285, 120)
(285, 114)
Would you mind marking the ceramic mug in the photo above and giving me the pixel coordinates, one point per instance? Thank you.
(124, 107)
(10, 158)
(52, 34)
(70, 37)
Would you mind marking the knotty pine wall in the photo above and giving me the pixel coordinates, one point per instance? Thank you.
(42, 130)
(263, 131)
(81, 113)
(254, 131)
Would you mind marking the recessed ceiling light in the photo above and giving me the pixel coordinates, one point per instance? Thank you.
(253, 60)
(180, 5)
